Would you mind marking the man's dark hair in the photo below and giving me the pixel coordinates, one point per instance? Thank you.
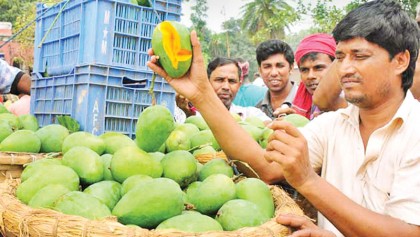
(313, 56)
(385, 23)
(271, 47)
(220, 61)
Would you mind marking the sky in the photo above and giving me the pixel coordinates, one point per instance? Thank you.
(222, 10)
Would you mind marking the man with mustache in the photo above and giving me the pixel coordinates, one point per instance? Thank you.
(367, 154)
(275, 64)
(225, 77)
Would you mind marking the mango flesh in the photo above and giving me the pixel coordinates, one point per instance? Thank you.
(87, 164)
(57, 174)
(296, 119)
(180, 166)
(114, 141)
(258, 192)
(191, 222)
(21, 141)
(82, 204)
(153, 127)
(108, 192)
(212, 193)
(150, 203)
(215, 166)
(46, 196)
(171, 42)
(238, 213)
(52, 137)
(130, 161)
(84, 139)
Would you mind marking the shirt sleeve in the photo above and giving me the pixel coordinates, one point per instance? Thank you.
(7, 76)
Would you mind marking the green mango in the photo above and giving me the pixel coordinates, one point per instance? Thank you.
(106, 162)
(3, 109)
(144, 3)
(114, 141)
(197, 121)
(264, 137)
(238, 213)
(87, 164)
(252, 130)
(215, 166)
(157, 156)
(21, 141)
(205, 137)
(180, 166)
(153, 127)
(171, 42)
(236, 116)
(5, 130)
(212, 193)
(32, 168)
(47, 196)
(12, 119)
(108, 192)
(29, 122)
(178, 140)
(82, 204)
(257, 122)
(258, 192)
(296, 119)
(191, 222)
(150, 203)
(57, 174)
(132, 182)
(130, 161)
(84, 139)
(52, 137)
(205, 150)
(189, 128)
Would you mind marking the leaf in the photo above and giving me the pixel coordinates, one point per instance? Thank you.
(70, 123)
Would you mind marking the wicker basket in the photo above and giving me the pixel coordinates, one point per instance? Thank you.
(12, 163)
(204, 158)
(17, 219)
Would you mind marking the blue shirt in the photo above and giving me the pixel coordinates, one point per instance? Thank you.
(7, 76)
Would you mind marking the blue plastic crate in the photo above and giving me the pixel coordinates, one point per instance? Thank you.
(100, 98)
(108, 32)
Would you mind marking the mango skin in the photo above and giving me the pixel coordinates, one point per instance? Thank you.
(32, 168)
(29, 122)
(191, 221)
(164, 59)
(238, 213)
(87, 164)
(150, 203)
(82, 204)
(109, 192)
(52, 137)
(153, 127)
(115, 141)
(46, 196)
(215, 166)
(84, 139)
(296, 119)
(21, 141)
(258, 192)
(57, 174)
(212, 193)
(5, 130)
(180, 166)
(130, 161)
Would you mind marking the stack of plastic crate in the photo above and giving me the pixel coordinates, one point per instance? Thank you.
(90, 62)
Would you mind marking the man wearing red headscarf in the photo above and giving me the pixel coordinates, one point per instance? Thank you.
(314, 55)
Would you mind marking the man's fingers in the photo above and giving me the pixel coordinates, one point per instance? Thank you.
(286, 127)
(295, 221)
(197, 56)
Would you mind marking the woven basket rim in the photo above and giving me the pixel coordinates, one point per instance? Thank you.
(18, 219)
(22, 158)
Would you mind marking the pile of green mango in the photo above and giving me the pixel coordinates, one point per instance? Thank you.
(153, 181)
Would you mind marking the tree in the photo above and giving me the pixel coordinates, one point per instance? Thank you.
(267, 19)
(198, 19)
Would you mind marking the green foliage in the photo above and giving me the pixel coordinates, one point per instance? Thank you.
(198, 19)
(266, 19)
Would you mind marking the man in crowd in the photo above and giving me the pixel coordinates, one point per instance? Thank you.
(314, 55)
(368, 153)
(225, 76)
(275, 63)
